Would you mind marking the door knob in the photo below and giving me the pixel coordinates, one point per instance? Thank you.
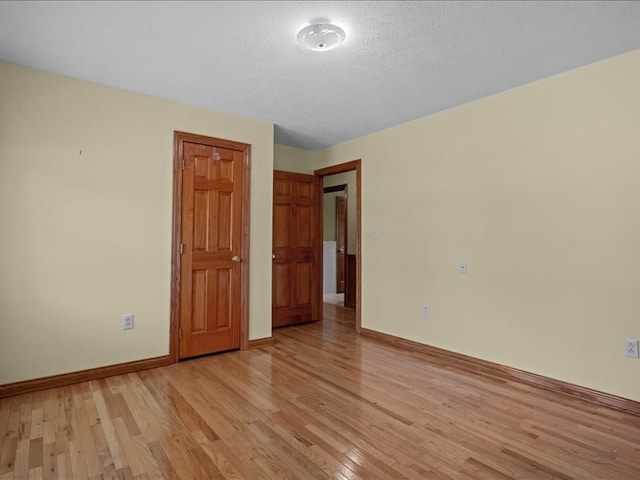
(273, 255)
(236, 258)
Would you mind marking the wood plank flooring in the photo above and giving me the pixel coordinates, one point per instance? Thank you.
(321, 403)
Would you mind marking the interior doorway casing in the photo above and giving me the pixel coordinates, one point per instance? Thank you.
(354, 165)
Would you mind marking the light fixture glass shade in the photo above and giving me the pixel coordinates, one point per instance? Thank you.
(321, 36)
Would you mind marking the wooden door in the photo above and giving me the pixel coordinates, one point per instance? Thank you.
(296, 248)
(212, 204)
(341, 242)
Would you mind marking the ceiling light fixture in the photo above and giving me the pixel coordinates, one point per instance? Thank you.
(321, 36)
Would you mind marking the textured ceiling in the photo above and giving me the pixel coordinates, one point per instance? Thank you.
(401, 60)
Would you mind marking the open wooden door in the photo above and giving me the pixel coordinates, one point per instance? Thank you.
(296, 248)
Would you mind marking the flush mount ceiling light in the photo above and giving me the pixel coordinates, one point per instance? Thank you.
(321, 37)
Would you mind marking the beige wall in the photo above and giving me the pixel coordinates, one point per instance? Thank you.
(86, 238)
(291, 159)
(538, 188)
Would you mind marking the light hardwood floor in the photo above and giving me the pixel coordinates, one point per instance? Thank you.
(321, 403)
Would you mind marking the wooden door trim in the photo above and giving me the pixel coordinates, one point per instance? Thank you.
(176, 236)
(335, 188)
(332, 170)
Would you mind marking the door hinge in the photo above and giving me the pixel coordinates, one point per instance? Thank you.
(181, 248)
(180, 333)
(182, 165)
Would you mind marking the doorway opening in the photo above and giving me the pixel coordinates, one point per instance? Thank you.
(342, 196)
(335, 235)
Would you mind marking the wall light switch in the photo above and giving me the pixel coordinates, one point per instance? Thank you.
(462, 267)
(127, 321)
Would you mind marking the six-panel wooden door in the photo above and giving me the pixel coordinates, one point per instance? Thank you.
(296, 235)
(211, 237)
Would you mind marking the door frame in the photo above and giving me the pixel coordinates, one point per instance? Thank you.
(176, 235)
(332, 170)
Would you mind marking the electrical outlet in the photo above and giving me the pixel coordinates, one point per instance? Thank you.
(426, 310)
(631, 348)
(127, 321)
